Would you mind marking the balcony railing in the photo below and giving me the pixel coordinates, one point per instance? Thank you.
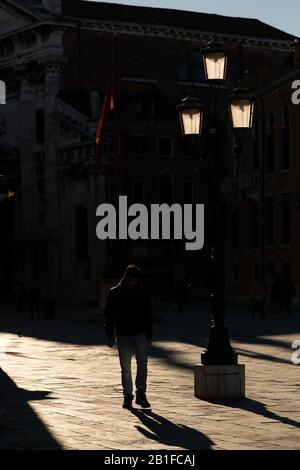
(246, 185)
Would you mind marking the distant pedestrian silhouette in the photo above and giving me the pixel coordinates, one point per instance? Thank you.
(34, 298)
(257, 299)
(288, 292)
(181, 295)
(19, 297)
(277, 295)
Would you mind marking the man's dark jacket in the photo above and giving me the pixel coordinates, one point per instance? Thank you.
(128, 312)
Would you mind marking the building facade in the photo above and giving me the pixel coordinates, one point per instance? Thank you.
(262, 196)
(55, 58)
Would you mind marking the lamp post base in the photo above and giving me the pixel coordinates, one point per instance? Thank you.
(226, 358)
(220, 383)
(219, 351)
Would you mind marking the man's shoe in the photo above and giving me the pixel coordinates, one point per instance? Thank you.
(141, 400)
(127, 403)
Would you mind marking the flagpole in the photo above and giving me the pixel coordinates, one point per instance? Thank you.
(116, 142)
(108, 106)
(116, 172)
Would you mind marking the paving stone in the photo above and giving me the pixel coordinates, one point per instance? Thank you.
(63, 390)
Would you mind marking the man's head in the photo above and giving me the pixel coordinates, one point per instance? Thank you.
(132, 275)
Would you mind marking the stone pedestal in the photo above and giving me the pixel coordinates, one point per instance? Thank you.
(220, 383)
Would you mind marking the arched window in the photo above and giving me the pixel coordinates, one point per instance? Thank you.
(286, 139)
(41, 190)
(271, 143)
(235, 229)
(183, 70)
(81, 233)
(165, 183)
(44, 268)
(198, 74)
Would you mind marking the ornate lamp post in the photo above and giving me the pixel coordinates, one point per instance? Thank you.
(219, 376)
(215, 61)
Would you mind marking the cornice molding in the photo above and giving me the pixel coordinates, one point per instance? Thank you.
(281, 83)
(153, 31)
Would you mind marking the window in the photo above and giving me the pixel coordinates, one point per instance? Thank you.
(256, 149)
(256, 271)
(44, 268)
(197, 68)
(165, 146)
(271, 269)
(286, 140)
(137, 145)
(286, 218)
(184, 147)
(138, 191)
(271, 144)
(40, 163)
(112, 188)
(235, 272)
(2, 92)
(165, 183)
(112, 144)
(191, 68)
(40, 126)
(235, 229)
(270, 221)
(81, 234)
(286, 267)
(149, 106)
(41, 218)
(255, 225)
(188, 192)
(183, 70)
(41, 191)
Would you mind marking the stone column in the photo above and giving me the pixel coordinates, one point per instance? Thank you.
(26, 157)
(52, 84)
(101, 246)
(97, 197)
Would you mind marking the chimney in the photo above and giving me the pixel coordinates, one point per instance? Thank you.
(53, 6)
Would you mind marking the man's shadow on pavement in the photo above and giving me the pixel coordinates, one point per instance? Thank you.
(22, 427)
(168, 433)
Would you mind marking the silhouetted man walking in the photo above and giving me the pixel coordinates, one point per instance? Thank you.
(128, 318)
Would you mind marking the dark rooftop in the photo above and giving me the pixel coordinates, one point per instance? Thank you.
(206, 22)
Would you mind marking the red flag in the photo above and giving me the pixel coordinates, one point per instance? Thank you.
(108, 105)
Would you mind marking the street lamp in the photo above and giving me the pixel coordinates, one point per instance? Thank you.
(191, 116)
(219, 376)
(215, 61)
(241, 106)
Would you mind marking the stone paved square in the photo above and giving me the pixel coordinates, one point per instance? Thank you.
(60, 386)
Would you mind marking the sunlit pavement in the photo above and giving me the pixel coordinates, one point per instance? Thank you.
(60, 386)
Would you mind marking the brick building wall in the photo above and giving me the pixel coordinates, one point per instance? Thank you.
(60, 78)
